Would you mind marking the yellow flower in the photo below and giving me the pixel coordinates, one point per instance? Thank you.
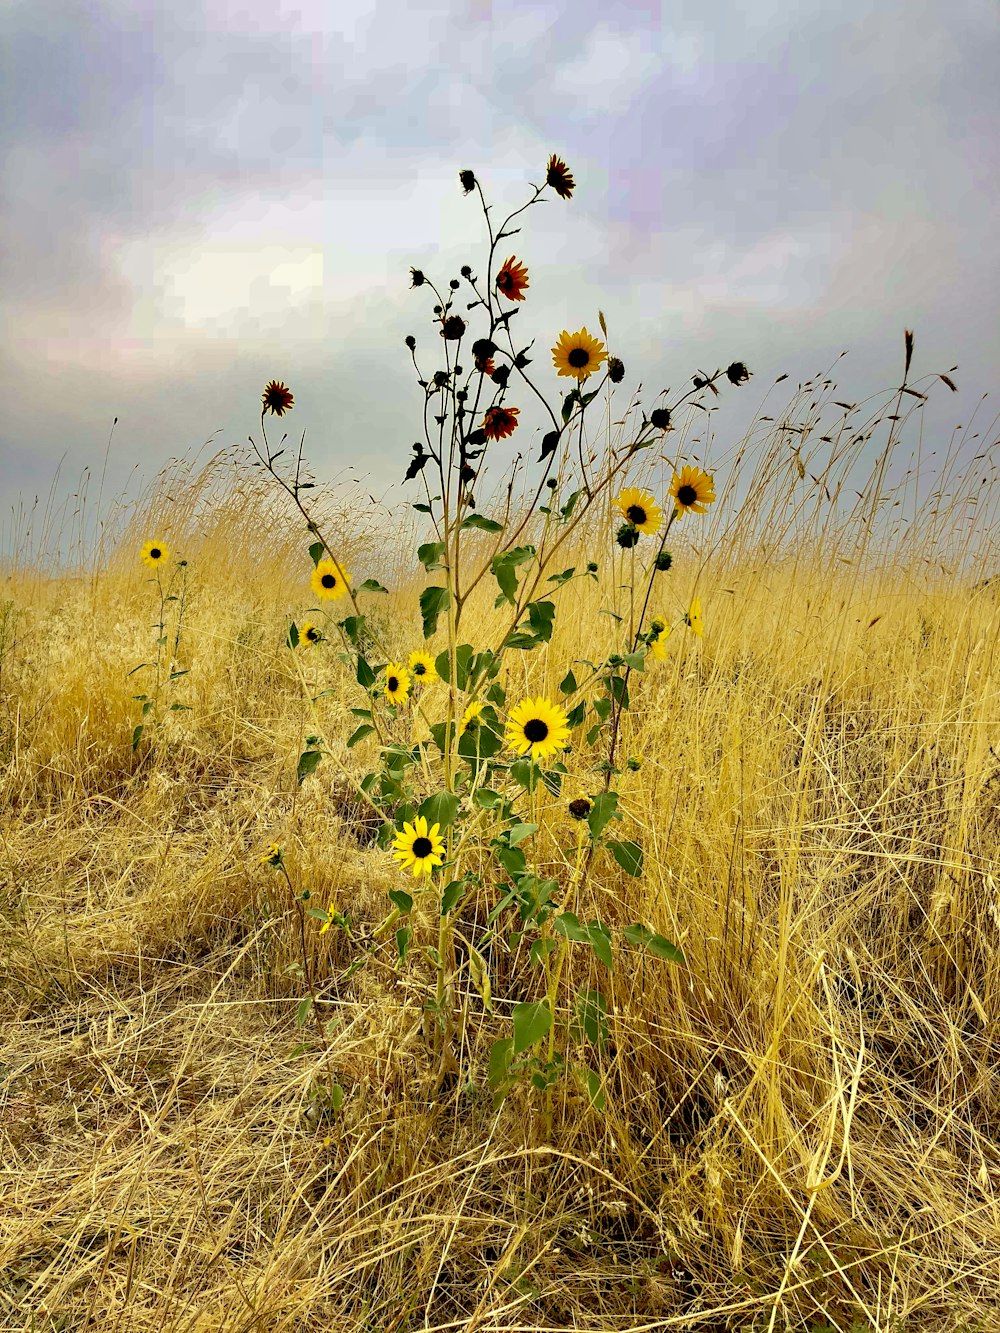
(693, 490)
(693, 618)
(640, 509)
(422, 667)
(578, 354)
(657, 645)
(419, 847)
(329, 579)
(470, 716)
(310, 633)
(272, 857)
(155, 553)
(397, 683)
(538, 727)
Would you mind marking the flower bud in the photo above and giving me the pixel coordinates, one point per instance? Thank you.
(627, 536)
(440, 378)
(454, 284)
(411, 342)
(468, 180)
(552, 483)
(591, 566)
(660, 417)
(663, 561)
(616, 660)
(632, 764)
(616, 370)
(465, 271)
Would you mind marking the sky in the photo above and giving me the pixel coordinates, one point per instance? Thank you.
(198, 198)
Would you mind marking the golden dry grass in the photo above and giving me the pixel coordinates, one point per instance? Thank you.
(802, 1127)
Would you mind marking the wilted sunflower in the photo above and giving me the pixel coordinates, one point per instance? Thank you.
(154, 554)
(485, 367)
(499, 422)
(693, 618)
(512, 279)
(422, 667)
(640, 509)
(578, 354)
(557, 175)
(310, 633)
(419, 847)
(329, 580)
(397, 683)
(693, 490)
(658, 643)
(470, 717)
(277, 398)
(538, 727)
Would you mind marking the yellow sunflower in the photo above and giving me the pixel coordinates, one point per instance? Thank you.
(397, 683)
(693, 490)
(422, 667)
(329, 580)
(640, 509)
(693, 618)
(538, 727)
(272, 857)
(310, 633)
(470, 716)
(419, 847)
(155, 553)
(658, 645)
(578, 354)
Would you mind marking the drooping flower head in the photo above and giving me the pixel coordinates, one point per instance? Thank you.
(272, 856)
(154, 554)
(470, 717)
(277, 398)
(397, 683)
(329, 580)
(499, 422)
(422, 667)
(512, 279)
(640, 509)
(578, 354)
(693, 490)
(537, 727)
(693, 618)
(658, 637)
(557, 175)
(310, 633)
(418, 847)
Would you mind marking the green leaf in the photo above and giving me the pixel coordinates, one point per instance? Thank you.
(316, 551)
(359, 734)
(591, 1017)
(352, 627)
(180, 708)
(567, 408)
(595, 1091)
(302, 1012)
(521, 831)
(568, 683)
(604, 808)
(441, 808)
(137, 736)
(500, 1058)
(483, 524)
(430, 555)
(308, 760)
(401, 899)
(600, 941)
(372, 585)
(637, 661)
(513, 861)
(505, 570)
(628, 855)
(576, 714)
(643, 937)
(541, 617)
(433, 601)
(531, 1023)
(451, 895)
(568, 924)
(365, 713)
(403, 936)
(602, 707)
(524, 773)
(562, 578)
(486, 798)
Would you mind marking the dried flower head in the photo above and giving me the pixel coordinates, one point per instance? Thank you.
(557, 175)
(277, 398)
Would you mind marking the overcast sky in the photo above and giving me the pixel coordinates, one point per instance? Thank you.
(200, 197)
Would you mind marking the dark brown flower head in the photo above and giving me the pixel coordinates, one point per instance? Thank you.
(482, 347)
(277, 398)
(411, 342)
(738, 373)
(465, 271)
(499, 422)
(467, 473)
(512, 280)
(557, 175)
(500, 375)
(698, 382)
(660, 417)
(627, 536)
(581, 807)
(454, 284)
(440, 378)
(616, 370)
(454, 327)
(468, 180)
(418, 278)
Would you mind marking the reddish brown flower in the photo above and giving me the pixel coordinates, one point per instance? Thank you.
(557, 175)
(486, 367)
(512, 279)
(499, 422)
(277, 398)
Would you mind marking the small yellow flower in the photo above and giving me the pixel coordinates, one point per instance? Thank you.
(310, 633)
(272, 857)
(329, 579)
(154, 554)
(538, 727)
(693, 490)
(658, 645)
(329, 920)
(397, 683)
(470, 716)
(693, 618)
(640, 509)
(578, 354)
(422, 667)
(419, 847)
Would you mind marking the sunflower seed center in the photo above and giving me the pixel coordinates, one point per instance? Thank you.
(636, 515)
(535, 730)
(422, 847)
(687, 495)
(155, 553)
(329, 580)
(579, 357)
(392, 684)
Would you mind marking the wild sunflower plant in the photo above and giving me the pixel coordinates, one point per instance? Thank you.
(487, 774)
(155, 555)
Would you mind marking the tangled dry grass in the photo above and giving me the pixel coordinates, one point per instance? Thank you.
(802, 1128)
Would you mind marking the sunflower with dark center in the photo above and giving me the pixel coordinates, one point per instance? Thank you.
(512, 279)
(329, 580)
(310, 633)
(693, 490)
(537, 727)
(640, 509)
(499, 422)
(397, 683)
(580, 807)
(578, 354)
(422, 667)
(154, 554)
(485, 367)
(277, 398)
(419, 848)
(557, 175)
(470, 718)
